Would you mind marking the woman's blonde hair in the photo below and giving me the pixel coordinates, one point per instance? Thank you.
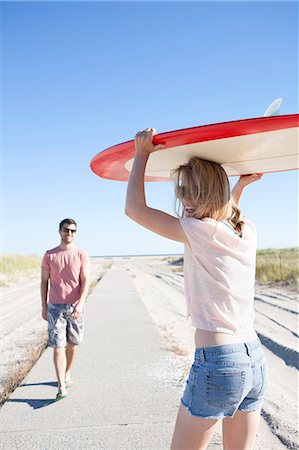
(203, 187)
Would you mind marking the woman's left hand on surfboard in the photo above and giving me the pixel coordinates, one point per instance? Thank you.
(244, 180)
(144, 142)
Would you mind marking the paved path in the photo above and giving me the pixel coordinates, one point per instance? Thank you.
(126, 391)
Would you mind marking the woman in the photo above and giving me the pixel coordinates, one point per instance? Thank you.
(228, 378)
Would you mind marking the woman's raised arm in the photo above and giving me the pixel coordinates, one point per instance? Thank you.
(136, 208)
(244, 181)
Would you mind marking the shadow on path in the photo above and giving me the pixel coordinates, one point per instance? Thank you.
(46, 383)
(34, 403)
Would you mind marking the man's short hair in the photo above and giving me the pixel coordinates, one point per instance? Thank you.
(67, 221)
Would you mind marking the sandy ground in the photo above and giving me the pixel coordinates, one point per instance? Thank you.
(160, 285)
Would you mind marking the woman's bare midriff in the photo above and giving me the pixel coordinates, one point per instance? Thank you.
(205, 338)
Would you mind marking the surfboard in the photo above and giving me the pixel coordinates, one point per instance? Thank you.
(263, 144)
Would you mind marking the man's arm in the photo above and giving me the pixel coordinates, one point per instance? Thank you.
(84, 286)
(45, 275)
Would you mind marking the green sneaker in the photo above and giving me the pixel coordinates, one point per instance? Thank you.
(60, 395)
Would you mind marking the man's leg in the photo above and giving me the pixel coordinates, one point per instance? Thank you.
(57, 339)
(75, 328)
(60, 366)
(71, 350)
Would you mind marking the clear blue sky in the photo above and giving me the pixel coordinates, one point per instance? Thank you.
(81, 76)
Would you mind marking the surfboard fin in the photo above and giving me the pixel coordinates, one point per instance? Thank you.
(274, 108)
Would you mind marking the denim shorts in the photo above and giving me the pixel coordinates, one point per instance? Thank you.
(225, 379)
(61, 328)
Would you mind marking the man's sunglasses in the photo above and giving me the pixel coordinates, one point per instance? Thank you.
(67, 230)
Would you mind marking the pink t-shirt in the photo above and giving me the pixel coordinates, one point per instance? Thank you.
(65, 267)
(219, 269)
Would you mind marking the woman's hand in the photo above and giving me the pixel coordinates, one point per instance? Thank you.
(144, 142)
(244, 180)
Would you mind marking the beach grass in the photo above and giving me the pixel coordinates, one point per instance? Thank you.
(16, 267)
(278, 266)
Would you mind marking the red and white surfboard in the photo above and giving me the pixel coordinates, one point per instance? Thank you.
(264, 144)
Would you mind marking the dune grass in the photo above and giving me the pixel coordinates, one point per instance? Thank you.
(16, 267)
(278, 266)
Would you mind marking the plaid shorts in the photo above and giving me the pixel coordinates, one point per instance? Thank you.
(61, 328)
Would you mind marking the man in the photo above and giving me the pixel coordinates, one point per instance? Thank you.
(67, 268)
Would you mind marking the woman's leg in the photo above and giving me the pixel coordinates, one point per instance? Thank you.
(192, 433)
(239, 432)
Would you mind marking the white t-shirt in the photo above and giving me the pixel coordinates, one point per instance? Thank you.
(219, 269)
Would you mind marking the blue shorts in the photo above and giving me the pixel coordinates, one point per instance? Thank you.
(225, 379)
(61, 328)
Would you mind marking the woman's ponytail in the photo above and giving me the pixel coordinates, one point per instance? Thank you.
(236, 219)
